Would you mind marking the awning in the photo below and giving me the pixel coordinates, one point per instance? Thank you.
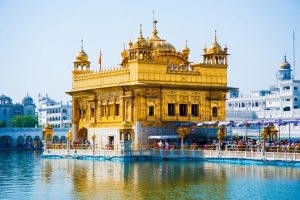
(162, 137)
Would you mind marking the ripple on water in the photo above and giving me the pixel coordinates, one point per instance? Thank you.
(25, 175)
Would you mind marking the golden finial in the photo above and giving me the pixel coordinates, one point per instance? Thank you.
(154, 32)
(81, 45)
(130, 42)
(215, 36)
(124, 47)
(153, 15)
(141, 31)
(186, 43)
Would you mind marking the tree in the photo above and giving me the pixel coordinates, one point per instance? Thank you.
(27, 121)
(2, 124)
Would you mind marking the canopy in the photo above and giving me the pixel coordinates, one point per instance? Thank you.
(280, 122)
(163, 137)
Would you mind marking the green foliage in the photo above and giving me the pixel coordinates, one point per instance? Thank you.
(2, 124)
(27, 121)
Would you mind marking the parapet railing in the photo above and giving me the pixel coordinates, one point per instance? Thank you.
(192, 151)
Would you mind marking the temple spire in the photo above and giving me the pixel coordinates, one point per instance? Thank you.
(215, 36)
(284, 58)
(141, 31)
(154, 31)
(153, 15)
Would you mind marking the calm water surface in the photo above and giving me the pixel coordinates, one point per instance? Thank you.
(25, 175)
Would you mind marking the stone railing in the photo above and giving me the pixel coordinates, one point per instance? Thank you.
(96, 78)
(178, 153)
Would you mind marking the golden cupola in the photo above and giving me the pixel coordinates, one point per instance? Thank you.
(140, 42)
(140, 50)
(215, 54)
(186, 51)
(124, 55)
(154, 49)
(82, 60)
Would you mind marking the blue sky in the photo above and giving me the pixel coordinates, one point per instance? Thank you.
(39, 39)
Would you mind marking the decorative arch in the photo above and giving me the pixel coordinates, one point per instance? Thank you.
(63, 139)
(55, 139)
(82, 134)
(20, 142)
(214, 111)
(5, 141)
(36, 141)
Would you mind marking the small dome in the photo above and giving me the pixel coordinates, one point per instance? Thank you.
(27, 100)
(285, 64)
(215, 48)
(5, 99)
(162, 45)
(186, 50)
(82, 56)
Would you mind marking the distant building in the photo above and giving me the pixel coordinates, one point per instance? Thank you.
(8, 109)
(55, 113)
(281, 101)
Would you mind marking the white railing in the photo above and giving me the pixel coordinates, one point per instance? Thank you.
(190, 152)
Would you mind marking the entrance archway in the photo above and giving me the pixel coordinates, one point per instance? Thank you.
(20, 142)
(63, 139)
(55, 139)
(82, 135)
(29, 142)
(5, 142)
(37, 141)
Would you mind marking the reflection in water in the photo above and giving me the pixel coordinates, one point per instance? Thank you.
(24, 175)
(172, 179)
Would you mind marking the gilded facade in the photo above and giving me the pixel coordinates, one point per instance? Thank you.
(155, 89)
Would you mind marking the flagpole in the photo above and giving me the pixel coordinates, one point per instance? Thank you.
(100, 60)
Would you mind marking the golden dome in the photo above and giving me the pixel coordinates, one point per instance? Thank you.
(81, 56)
(285, 64)
(163, 45)
(215, 48)
(186, 50)
(140, 41)
(124, 53)
(159, 44)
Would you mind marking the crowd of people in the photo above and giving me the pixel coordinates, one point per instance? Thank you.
(239, 144)
(249, 144)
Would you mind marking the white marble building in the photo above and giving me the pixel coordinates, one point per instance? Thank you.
(281, 101)
(55, 113)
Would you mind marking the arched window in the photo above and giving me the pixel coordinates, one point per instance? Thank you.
(256, 104)
(215, 112)
(92, 112)
(80, 113)
(243, 105)
(151, 111)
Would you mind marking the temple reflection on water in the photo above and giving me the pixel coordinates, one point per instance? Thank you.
(117, 180)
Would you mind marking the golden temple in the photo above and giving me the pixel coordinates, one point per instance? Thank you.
(155, 90)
